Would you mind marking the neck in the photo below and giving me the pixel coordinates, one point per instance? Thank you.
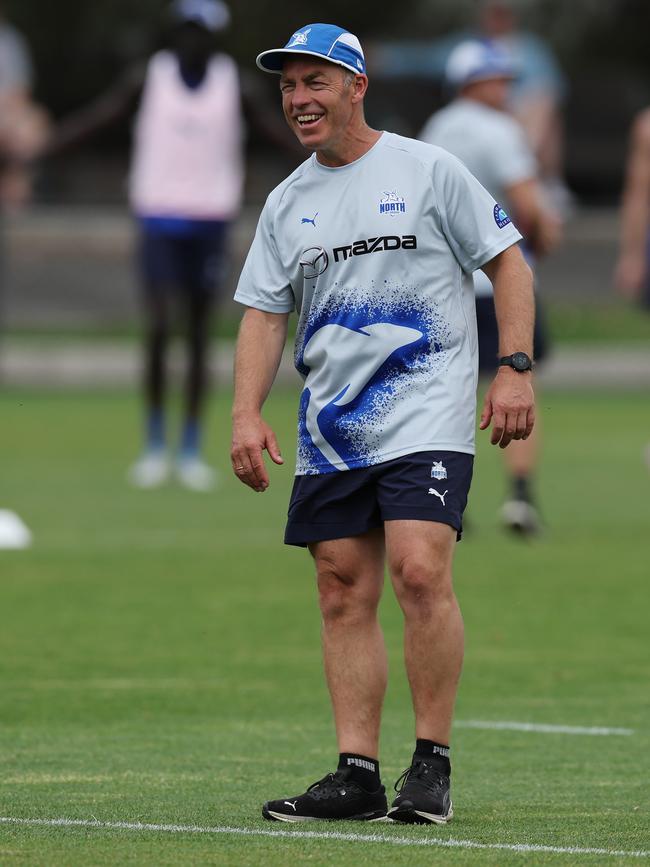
(356, 143)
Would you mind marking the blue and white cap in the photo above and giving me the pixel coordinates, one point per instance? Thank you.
(326, 41)
(477, 60)
(211, 14)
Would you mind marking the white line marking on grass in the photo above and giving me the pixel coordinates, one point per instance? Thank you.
(540, 727)
(323, 835)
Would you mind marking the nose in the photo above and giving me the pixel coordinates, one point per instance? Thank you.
(300, 96)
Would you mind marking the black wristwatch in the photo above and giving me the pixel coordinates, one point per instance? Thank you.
(519, 361)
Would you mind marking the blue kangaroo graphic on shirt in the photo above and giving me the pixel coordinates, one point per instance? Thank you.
(359, 355)
(312, 221)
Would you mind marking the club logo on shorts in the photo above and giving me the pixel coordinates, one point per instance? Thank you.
(500, 217)
(392, 203)
(313, 262)
(438, 471)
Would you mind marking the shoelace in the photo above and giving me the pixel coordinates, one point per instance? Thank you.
(428, 775)
(332, 785)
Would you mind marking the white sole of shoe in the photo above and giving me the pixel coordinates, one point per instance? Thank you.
(424, 818)
(283, 817)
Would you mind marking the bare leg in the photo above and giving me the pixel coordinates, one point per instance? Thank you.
(155, 345)
(350, 574)
(199, 313)
(521, 455)
(420, 556)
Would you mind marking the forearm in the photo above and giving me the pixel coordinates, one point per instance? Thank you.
(514, 301)
(510, 403)
(635, 211)
(634, 223)
(260, 343)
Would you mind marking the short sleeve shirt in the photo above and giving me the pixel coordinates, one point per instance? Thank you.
(376, 258)
(491, 144)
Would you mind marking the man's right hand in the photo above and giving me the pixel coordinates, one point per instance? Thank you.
(250, 436)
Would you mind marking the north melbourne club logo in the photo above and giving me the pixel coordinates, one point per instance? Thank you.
(391, 203)
(500, 216)
(438, 471)
(300, 38)
(313, 262)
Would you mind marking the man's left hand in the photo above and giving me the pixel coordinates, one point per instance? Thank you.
(510, 405)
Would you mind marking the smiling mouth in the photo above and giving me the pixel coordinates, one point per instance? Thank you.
(307, 120)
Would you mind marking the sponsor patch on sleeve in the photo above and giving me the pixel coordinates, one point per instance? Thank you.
(500, 216)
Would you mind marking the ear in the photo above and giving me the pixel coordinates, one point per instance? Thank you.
(359, 87)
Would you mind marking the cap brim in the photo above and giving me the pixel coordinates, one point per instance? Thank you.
(485, 76)
(273, 59)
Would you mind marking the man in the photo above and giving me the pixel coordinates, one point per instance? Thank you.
(23, 123)
(477, 129)
(372, 240)
(632, 272)
(186, 189)
(632, 275)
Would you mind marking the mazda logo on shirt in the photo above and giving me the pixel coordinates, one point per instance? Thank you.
(313, 262)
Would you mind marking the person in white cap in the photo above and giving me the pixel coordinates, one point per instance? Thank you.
(477, 128)
(186, 186)
(373, 240)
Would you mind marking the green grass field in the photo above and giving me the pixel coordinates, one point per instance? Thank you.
(160, 659)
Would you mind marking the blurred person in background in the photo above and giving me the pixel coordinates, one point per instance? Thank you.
(537, 93)
(477, 128)
(536, 96)
(186, 187)
(23, 124)
(632, 273)
(23, 130)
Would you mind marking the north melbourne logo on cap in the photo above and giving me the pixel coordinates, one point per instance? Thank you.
(299, 38)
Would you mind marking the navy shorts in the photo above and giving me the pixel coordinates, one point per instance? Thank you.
(183, 254)
(425, 486)
(488, 334)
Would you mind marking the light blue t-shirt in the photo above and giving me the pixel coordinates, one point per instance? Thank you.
(376, 258)
(492, 145)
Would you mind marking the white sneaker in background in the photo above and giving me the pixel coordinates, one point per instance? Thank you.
(150, 471)
(14, 534)
(521, 517)
(195, 474)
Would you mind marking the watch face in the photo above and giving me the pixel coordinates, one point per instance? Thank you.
(520, 361)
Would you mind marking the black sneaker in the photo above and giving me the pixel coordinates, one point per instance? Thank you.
(423, 796)
(336, 796)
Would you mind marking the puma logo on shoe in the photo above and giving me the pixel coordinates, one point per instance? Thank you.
(292, 804)
(441, 497)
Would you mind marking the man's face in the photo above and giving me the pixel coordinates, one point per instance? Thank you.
(494, 92)
(193, 43)
(318, 100)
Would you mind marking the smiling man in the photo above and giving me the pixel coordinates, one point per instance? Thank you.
(372, 241)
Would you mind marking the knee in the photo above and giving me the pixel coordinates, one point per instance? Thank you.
(344, 599)
(157, 332)
(421, 587)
